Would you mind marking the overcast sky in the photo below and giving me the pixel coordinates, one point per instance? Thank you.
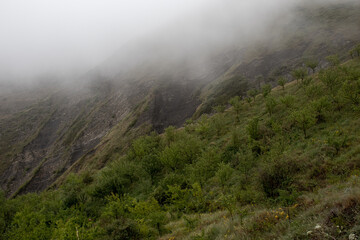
(73, 35)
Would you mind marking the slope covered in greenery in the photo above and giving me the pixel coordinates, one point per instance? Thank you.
(282, 163)
(49, 130)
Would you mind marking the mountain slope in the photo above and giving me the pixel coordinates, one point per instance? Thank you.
(284, 165)
(145, 88)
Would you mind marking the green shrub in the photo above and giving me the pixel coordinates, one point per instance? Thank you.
(282, 81)
(304, 119)
(288, 101)
(299, 74)
(270, 105)
(224, 175)
(276, 176)
(118, 178)
(206, 165)
(252, 93)
(332, 79)
(237, 105)
(312, 64)
(266, 90)
(181, 152)
(334, 60)
(253, 129)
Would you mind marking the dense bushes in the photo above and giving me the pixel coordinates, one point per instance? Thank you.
(265, 151)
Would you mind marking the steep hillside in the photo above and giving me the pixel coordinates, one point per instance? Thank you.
(281, 164)
(46, 134)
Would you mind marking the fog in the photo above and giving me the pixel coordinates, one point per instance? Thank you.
(67, 38)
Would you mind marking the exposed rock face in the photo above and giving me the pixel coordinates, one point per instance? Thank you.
(45, 132)
(74, 124)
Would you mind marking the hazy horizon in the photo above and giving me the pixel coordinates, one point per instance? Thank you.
(68, 38)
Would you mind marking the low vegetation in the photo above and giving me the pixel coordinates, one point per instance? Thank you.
(282, 163)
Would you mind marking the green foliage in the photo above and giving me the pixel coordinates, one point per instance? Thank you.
(334, 60)
(306, 82)
(203, 127)
(299, 74)
(72, 191)
(313, 91)
(336, 141)
(237, 104)
(74, 228)
(146, 150)
(351, 92)
(224, 174)
(189, 181)
(266, 90)
(253, 129)
(217, 125)
(190, 222)
(182, 152)
(228, 202)
(118, 178)
(186, 200)
(332, 79)
(277, 176)
(248, 100)
(206, 166)
(270, 105)
(304, 119)
(312, 64)
(355, 52)
(219, 108)
(252, 93)
(3, 207)
(288, 101)
(282, 81)
(321, 107)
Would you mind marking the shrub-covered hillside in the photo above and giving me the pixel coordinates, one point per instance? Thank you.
(283, 163)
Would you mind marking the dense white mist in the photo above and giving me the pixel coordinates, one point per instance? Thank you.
(69, 37)
(65, 35)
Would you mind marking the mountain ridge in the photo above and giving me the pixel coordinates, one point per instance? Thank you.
(159, 97)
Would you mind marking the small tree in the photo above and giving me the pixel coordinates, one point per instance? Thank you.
(304, 119)
(229, 203)
(299, 73)
(351, 91)
(288, 101)
(252, 93)
(332, 80)
(237, 105)
(306, 82)
(248, 100)
(282, 82)
(219, 108)
(253, 129)
(320, 107)
(334, 60)
(270, 105)
(312, 64)
(266, 90)
(224, 174)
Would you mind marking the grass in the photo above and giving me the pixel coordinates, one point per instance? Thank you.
(335, 187)
(244, 174)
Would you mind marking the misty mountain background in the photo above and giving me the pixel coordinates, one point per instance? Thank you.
(71, 95)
